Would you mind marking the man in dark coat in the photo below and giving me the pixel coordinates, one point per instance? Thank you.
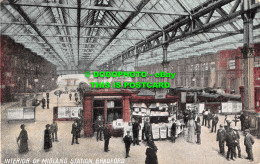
(151, 154)
(242, 118)
(43, 103)
(237, 145)
(47, 138)
(74, 132)
(147, 130)
(221, 137)
(248, 142)
(48, 102)
(185, 117)
(127, 140)
(70, 95)
(107, 136)
(173, 130)
(198, 132)
(231, 142)
(214, 123)
(136, 128)
(23, 137)
(99, 128)
(209, 118)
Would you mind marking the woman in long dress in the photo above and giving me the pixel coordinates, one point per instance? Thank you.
(47, 138)
(23, 137)
(151, 154)
(191, 130)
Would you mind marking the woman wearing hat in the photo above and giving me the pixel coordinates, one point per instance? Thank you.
(151, 156)
(23, 137)
(47, 138)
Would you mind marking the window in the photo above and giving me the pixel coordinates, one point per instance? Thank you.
(257, 61)
(212, 66)
(114, 110)
(232, 64)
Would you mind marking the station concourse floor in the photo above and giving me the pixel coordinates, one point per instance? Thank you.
(180, 152)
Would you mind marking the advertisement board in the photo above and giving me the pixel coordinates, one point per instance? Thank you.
(69, 112)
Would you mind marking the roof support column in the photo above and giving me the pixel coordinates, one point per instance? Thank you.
(248, 55)
(165, 62)
(136, 63)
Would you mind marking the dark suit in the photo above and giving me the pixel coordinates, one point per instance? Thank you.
(214, 123)
(248, 142)
(198, 132)
(173, 131)
(221, 137)
(237, 145)
(74, 133)
(127, 140)
(242, 119)
(107, 136)
(136, 128)
(231, 142)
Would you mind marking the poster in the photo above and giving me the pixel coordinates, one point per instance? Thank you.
(28, 113)
(68, 112)
(15, 114)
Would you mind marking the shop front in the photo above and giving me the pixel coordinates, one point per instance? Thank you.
(108, 104)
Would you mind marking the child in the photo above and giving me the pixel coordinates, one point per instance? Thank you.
(127, 140)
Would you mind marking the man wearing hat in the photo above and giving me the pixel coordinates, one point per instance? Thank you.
(107, 136)
(230, 142)
(127, 140)
(248, 142)
(173, 130)
(237, 143)
(221, 137)
(214, 122)
(136, 128)
(74, 132)
(47, 138)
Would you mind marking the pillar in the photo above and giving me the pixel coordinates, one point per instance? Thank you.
(136, 63)
(248, 70)
(126, 108)
(88, 113)
(165, 62)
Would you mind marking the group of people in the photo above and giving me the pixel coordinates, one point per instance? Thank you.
(231, 136)
(76, 97)
(210, 119)
(50, 135)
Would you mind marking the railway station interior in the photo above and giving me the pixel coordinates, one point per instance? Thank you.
(209, 50)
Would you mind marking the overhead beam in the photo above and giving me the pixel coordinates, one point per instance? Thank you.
(103, 8)
(29, 22)
(72, 36)
(123, 26)
(73, 43)
(82, 26)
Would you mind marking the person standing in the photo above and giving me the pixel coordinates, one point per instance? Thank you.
(48, 102)
(230, 142)
(214, 123)
(47, 138)
(136, 128)
(206, 113)
(210, 116)
(74, 132)
(147, 131)
(203, 118)
(151, 154)
(237, 143)
(242, 118)
(76, 97)
(99, 128)
(198, 132)
(197, 118)
(47, 95)
(43, 103)
(191, 130)
(107, 136)
(186, 118)
(127, 140)
(173, 130)
(23, 138)
(70, 95)
(248, 142)
(221, 137)
(54, 131)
